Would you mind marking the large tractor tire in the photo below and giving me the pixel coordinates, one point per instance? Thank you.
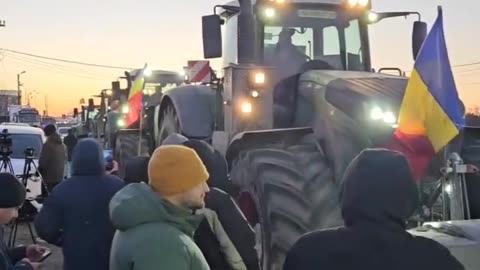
(470, 153)
(126, 148)
(285, 192)
(169, 123)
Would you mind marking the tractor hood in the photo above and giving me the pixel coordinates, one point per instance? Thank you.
(346, 90)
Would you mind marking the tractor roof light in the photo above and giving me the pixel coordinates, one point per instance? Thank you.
(373, 17)
(269, 12)
(358, 3)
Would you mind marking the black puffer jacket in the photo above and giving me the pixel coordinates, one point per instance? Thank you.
(235, 225)
(379, 195)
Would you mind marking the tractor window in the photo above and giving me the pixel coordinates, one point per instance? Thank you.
(331, 44)
(296, 37)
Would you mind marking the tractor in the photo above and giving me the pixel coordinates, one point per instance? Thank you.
(296, 101)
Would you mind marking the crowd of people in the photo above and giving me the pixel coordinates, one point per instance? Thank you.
(170, 211)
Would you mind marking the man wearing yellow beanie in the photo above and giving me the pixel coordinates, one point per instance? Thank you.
(155, 222)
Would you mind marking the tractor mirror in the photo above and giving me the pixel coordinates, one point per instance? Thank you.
(212, 36)
(418, 37)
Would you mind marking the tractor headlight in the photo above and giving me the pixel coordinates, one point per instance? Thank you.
(121, 123)
(246, 107)
(257, 80)
(125, 109)
(378, 114)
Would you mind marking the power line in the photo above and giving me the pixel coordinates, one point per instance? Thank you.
(66, 61)
(53, 65)
(467, 64)
(37, 65)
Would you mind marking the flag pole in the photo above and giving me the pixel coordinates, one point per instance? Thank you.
(141, 114)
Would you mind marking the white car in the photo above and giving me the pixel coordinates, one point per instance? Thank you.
(63, 131)
(23, 137)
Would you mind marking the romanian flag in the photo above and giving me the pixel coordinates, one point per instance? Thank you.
(135, 98)
(430, 114)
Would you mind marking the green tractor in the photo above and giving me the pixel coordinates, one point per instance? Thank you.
(297, 100)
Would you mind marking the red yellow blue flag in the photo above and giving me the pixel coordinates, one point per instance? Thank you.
(135, 98)
(430, 114)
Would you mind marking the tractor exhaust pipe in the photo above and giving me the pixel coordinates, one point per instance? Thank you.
(246, 33)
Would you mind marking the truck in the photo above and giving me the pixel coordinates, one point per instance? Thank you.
(24, 114)
(296, 101)
(7, 98)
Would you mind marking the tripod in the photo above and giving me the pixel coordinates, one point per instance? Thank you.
(26, 214)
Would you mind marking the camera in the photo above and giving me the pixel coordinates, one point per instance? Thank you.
(5, 140)
(29, 153)
(5, 143)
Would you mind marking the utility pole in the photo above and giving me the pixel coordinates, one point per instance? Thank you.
(46, 106)
(19, 84)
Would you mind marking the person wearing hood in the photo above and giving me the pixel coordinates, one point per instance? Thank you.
(75, 216)
(52, 158)
(378, 196)
(155, 221)
(136, 170)
(224, 235)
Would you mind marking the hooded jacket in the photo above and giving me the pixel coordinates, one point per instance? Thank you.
(378, 196)
(136, 170)
(52, 159)
(75, 215)
(152, 233)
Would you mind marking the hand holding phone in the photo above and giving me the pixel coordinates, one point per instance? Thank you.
(45, 255)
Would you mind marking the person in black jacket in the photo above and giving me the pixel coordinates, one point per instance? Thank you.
(12, 196)
(76, 217)
(379, 195)
(136, 170)
(236, 229)
(70, 142)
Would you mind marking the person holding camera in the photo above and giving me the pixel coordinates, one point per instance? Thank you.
(52, 158)
(12, 196)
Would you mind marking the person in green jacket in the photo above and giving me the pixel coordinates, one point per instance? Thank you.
(155, 222)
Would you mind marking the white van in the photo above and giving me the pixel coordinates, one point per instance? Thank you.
(24, 137)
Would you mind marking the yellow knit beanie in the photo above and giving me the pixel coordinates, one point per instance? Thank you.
(174, 169)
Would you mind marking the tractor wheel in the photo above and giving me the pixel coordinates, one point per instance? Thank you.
(285, 192)
(169, 123)
(126, 148)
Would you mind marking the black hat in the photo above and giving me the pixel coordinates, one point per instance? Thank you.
(12, 192)
(49, 130)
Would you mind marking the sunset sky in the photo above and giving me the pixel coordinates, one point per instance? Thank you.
(165, 34)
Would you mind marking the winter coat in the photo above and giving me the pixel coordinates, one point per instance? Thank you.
(10, 258)
(229, 241)
(75, 215)
(376, 202)
(52, 160)
(70, 142)
(213, 244)
(152, 233)
(230, 254)
(136, 170)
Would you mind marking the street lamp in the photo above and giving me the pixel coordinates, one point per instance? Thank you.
(18, 87)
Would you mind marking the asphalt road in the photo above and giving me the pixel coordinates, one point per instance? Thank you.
(54, 262)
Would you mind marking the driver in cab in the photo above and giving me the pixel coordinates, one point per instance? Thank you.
(288, 58)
